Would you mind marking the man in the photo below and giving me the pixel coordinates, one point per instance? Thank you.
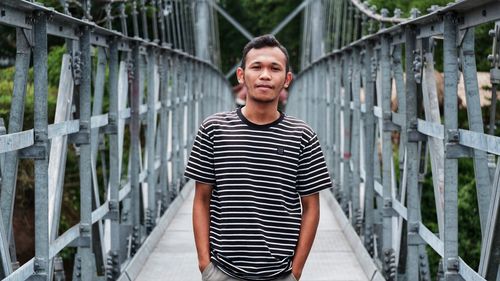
(258, 173)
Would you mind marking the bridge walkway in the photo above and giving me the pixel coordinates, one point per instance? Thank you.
(337, 253)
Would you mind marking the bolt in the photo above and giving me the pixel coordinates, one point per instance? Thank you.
(415, 13)
(384, 12)
(397, 13)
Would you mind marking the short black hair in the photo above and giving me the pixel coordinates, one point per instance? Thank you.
(267, 40)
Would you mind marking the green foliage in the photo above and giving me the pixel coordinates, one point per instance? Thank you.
(258, 17)
(54, 64)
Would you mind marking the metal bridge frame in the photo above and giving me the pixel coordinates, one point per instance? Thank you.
(151, 83)
(346, 94)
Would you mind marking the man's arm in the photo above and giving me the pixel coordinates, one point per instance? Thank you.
(201, 222)
(308, 227)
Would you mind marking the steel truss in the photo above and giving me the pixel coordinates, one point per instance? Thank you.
(157, 93)
(345, 92)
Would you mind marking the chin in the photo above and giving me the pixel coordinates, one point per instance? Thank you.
(264, 100)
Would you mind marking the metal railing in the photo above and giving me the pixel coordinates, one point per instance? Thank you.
(347, 96)
(155, 92)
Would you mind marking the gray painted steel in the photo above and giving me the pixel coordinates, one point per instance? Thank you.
(104, 234)
(163, 91)
(389, 203)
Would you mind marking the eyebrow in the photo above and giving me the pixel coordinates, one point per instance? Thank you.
(272, 63)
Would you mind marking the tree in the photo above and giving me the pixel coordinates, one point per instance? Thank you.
(258, 17)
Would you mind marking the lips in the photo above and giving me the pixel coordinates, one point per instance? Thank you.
(264, 86)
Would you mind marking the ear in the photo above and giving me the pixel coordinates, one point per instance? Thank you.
(240, 75)
(288, 79)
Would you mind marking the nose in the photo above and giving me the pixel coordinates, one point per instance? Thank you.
(265, 74)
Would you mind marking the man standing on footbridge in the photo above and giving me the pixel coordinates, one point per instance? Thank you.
(258, 172)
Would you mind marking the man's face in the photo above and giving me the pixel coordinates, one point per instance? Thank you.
(265, 74)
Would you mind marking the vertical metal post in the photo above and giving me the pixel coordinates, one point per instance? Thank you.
(331, 117)
(355, 33)
(355, 142)
(305, 56)
(337, 74)
(369, 146)
(190, 26)
(183, 95)
(84, 249)
(134, 151)
(450, 165)
(385, 76)
(150, 140)
(178, 23)
(161, 21)
(202, 32)
(183, 22)
(123, 19)
(41, 264)
(175, 121)
(349, 22)
(155, 23)
(135, 23)
(164, 120)
(114, 174)
(346, 158)
(338, 23)
(344, 23)
(214, 34)
(145, 33)
(317, 49)
(171, 25)
(398, 76)
(323, 92)
(314, 100)
(190, 106)
(411, 156)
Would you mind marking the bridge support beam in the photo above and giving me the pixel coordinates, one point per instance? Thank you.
(411, 158)
(450, 261)
(202, 25)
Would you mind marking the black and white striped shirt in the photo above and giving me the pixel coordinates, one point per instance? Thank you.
(258, 174)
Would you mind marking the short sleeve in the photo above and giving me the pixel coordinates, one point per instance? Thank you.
(200, 166)
(313, 173)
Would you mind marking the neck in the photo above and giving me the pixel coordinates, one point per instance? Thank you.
(261, 114)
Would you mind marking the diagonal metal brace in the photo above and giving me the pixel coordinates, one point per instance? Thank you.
(238, 26)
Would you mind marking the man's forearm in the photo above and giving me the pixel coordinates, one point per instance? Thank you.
(308, 227)
(201, 224)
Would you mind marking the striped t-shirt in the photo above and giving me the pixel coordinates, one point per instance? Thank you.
(258, 174)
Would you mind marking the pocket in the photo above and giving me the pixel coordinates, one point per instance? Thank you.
(206, 272)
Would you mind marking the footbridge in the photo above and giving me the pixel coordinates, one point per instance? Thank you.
(134, 80)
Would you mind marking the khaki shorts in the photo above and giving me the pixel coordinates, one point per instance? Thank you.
(212, 273)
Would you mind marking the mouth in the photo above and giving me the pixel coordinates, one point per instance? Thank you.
(263, 86)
